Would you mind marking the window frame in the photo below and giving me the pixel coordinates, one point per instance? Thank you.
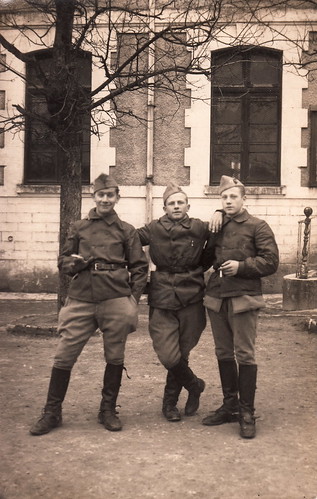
(32, 93)
(313, 149)
(245, 92)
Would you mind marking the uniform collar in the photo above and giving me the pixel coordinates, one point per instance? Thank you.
(169, 224)
(241, 217)
(109, 219)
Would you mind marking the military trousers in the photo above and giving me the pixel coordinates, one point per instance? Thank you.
(78, 321)
(175, 333)
(234, 334)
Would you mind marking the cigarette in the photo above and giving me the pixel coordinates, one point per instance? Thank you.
(220, 273)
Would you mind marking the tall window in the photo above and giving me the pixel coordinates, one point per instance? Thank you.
(313, 150)
(246, 115)
(42, 164)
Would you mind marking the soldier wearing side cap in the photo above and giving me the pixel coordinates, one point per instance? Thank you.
(177, 315)
(241, 254)
(109, 270)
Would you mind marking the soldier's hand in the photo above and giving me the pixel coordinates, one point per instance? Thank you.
(229, 268)
(216, 220)
(75, 263)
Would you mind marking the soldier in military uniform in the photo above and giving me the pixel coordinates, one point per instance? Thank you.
(177, 315)
(109, 270)
(241, 254)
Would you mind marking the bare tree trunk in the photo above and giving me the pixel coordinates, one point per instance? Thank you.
(70, 197)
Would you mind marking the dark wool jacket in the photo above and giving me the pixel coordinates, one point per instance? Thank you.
(112, 241)
(250, 241)
(176, 249)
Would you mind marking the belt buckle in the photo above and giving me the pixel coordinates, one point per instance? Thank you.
(96, 266)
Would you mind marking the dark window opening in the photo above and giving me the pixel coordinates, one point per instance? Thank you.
(313, 150)
(246, 115)
(42, 162)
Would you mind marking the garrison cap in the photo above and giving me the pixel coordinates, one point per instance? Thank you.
(171, 188)
(104, 182)
(228, 182)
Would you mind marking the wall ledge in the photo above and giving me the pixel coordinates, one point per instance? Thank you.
(45, 190)
(263, 190)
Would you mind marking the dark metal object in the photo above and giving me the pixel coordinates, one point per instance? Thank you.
(302, 259)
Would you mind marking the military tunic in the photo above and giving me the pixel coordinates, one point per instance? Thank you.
(176, 289)
(233, 302)
(105, 292)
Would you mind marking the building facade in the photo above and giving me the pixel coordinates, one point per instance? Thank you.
(255, 118)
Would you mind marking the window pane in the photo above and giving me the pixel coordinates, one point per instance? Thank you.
(263, 110)
(262, 168)
(263, 134)
(3, 59)
(227, 133)
(42, 166)
(227, 70)
(232, 148)
(2, 99)
(264, 69)
(313, 150)
(227, 121)
(227, 110)
(226, 164)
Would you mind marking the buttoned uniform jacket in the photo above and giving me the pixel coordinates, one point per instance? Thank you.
(249, 240)
(110, 240)
(175, 247)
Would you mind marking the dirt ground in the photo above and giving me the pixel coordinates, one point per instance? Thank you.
(152, 458)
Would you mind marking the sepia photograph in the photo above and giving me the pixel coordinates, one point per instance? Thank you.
(158, 249)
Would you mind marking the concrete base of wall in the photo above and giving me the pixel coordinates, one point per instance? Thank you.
(19, 280)
(299, 294)
(15, 278)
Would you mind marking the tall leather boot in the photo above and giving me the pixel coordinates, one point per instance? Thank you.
(111, 386)
(52, 412)
(247, 387)
(171, 393)
(194, 385)
(229, 410)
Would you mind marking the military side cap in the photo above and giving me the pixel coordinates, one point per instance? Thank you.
(104, 182)
(228, 182)
(171, 188)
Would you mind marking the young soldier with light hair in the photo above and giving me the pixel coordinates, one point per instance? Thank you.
(109, 268)
(241, 254)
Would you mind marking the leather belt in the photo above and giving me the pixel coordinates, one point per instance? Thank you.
(106, 266)
(176, 270)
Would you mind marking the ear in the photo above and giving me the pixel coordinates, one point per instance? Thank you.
(188, 207)
(164, 208)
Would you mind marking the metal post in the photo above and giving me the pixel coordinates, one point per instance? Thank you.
(303, 267)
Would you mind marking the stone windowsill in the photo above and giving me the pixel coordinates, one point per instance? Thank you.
(45, 190)
(212, 190)
(209, 190)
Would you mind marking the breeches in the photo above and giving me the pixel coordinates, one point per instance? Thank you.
(174, 333)
(234, 334)
(78, 320)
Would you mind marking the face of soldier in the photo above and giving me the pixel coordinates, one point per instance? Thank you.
(232, 201)
(176, 206)
(105, 200)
